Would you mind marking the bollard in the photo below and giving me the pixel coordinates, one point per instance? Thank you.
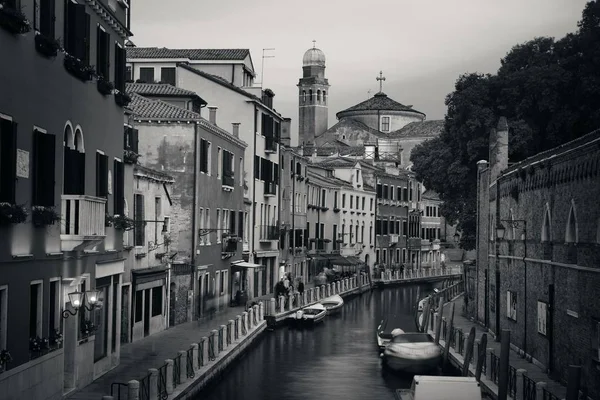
(290, 302)
(212, 339)
(223, 331)
(239, 328)
(261, 311)
(183, 365)
(230, 334)
(281, 304)
(328, 289)
(245, 320)
(169, 380)
(257, 314)
(519, 394)
(133, 390)
(272, 307)
(195, 356)
(488, 363)
(204, 341)
(539, 390)
(304, 296)
(318, 293)
(153, 384)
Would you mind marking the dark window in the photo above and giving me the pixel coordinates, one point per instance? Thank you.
(44, 148)
(129, 73)
(139, 305)
(8, 160)
(404, 194)
(323, 194)
(228, 175)
(102, 53)
(385, 192)
(53, 322)
(77, 31)
(379, 190)
(34, 296)
(167, 75)
(399, 193)
(140, 226)
(344, 200)
(232, 222)
(204, 146)
(240, 224)
(147, 74)
(47, 18)
(157, 300)
(122, 73)
(119, 187)
(257, 167)
(101, 175)
(131, 139)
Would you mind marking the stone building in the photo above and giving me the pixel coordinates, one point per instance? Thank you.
(207, 213)
(537, 253)
(293, 209)
(61, 174)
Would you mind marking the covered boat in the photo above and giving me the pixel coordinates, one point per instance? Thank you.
(387, 327)
(412, 353)
(333, 304)
(310, 315)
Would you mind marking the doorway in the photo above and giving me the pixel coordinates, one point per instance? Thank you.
(146, 312)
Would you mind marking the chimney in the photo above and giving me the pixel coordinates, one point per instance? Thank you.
(498, 149)
(212, 115)
(235, 129)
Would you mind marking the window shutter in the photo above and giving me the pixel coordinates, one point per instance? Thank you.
(47, 18)
(99, 51)
(69, 27)
(276, 173)
(8, 160)
(98, 184)
(135, 140)
(80, 172)
(257, 167)
(46, 160)
(119, 188)
(203, 156)
(104, 175)
(240, 225)
(81, 38)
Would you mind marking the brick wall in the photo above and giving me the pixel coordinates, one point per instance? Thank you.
(180, 302)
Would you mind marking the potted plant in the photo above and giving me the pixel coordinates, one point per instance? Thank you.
(120, 222)
(42, 216)
(56, 339)
(130, 156)
(5, 358)
(13, 20)
(104, 86)
(87, 328)
(121, 98)
(78, 68)
(46, 46)
(12, 214)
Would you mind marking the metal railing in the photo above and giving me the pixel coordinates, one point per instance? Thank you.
(162, 382)
(145, 388)
(177, 371)
(529, 388)
(189, 363)
(116, 394)
(268, 232)
(484, 356)
(444, 329)
(220, 340)
(547, 395)
(512, 381)
(494, 364)
(211, 347)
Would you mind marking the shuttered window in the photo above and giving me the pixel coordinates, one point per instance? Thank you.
(147, 74)
(130, 139)
(101, 175)
(102, 53)
(204, 146)
(47, 18)
(140, 226)
(44, 150)
(77, 31)
(119, 187)
(167, 75)
(240, 225)
(8, 160)
(120, 68)
(257, 167)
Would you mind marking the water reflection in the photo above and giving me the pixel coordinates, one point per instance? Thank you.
(337, 359)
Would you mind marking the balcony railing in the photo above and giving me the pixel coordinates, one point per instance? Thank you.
(82, 219)
(268, 233)
(270, 145)
(270, 189)
(228, 180)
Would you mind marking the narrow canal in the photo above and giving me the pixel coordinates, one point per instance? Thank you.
(337, 359)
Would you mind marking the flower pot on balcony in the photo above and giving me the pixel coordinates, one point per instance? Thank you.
(13, 20)
(44, 216)
(12, 214)
(122, 99)
(46, 46)
(120, 222)
(105, 87)
(78, 68)
(130, 157)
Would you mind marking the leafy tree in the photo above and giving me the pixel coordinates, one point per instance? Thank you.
(548, 90)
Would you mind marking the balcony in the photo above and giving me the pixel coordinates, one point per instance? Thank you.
(393, 239)
(82, 221)
(228, 182)
(268, 233)
(270, 145)
(270, 189)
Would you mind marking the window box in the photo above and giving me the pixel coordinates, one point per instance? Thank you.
(78, 68)
(43, 216)
(105, 87)
(46, 46)
(87, 329)
(336, 209)
(12, 214)
(13, 20)
(324, 208)
(38, 347)
(130, 157)
(122, 99)
(120, 222)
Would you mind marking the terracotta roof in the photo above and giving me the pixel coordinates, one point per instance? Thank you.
(420, 129)
(353, 124)
(158, 109)
(141, 168)
(161, 89)
(191, 54)
(343, 150)
(431, 195)
(380, 101)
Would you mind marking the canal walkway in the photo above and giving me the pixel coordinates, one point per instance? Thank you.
(526, 380)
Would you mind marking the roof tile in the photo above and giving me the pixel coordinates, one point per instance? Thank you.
(191, 54)
(380, 101)
(420, 129)
(158, 109)
(160, 89)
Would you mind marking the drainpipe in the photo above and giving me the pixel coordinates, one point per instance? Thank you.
(195, 213)
(293, 192)
(251, 247)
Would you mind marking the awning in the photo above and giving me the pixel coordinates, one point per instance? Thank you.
(354, 260)
(149, 277)
(244, 264)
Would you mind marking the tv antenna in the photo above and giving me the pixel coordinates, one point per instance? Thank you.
(262, 68)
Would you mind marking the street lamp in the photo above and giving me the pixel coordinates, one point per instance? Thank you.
(78, 300)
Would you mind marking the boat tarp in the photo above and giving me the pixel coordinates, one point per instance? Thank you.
(388, 324)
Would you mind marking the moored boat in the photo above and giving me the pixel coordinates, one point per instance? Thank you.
(310, 315)
(333, 304)
(412, 353)
(386, 330)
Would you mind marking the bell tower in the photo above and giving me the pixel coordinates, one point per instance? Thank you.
(313, 97)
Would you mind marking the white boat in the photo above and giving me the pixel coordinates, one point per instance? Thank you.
(333, 304)
(441, 388)
(311, 315)
(386, 330)
(412, 353)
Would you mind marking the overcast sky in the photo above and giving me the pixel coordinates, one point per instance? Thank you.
(422, 46)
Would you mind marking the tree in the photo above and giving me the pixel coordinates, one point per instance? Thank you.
(548, 90)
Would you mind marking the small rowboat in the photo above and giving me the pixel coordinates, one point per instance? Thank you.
(333, 304)
(310, 315)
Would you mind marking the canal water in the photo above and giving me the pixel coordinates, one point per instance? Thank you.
(338, 359)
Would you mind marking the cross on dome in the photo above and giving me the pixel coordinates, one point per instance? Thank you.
(314, 44)
(380, 78)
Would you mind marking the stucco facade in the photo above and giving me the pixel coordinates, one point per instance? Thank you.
(542, 276)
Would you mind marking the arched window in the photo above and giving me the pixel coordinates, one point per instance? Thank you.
(79, 144)
(310, 99)
(304, 96)
(318, 96)
(325, 97)
(571, 234)
(69, 136)
(547, 226)
(74, 161)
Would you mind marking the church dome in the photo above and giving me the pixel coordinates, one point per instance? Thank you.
(313, 57)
